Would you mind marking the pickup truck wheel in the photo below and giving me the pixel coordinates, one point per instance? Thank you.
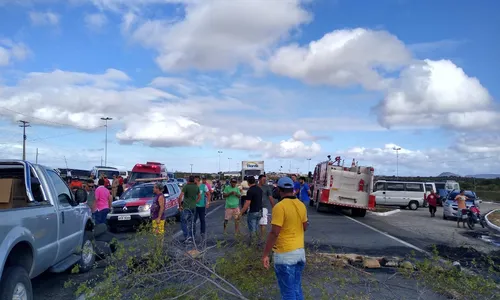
(87, 259)
(16, 284)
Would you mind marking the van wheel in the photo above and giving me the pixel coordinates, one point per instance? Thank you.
(16, 284)
(413, 205)
(87, 258)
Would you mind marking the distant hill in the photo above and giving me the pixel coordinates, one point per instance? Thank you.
(448, 174)
(485, 176)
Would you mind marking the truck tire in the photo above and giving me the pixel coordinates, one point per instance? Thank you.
(87, 258)
(358, 212)
(16, 282)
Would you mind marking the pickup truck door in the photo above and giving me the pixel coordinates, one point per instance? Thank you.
(70, 218)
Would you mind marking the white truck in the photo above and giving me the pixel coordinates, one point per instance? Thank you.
(252, 168)
(343, 187)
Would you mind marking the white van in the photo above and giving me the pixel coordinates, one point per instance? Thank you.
(400, 193)
(97, 171)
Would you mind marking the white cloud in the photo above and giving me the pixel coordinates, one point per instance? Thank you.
(44, 18)
(343, 58)
(145, 115)
(437, 93)
(95, 21)
(290, 148)
(422, 162)
(10, 51)
(220, 34)
(302, 135)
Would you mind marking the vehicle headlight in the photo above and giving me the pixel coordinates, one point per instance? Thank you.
(145, 207)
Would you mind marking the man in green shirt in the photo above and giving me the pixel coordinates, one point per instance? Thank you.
(232, 195)
(190, 195)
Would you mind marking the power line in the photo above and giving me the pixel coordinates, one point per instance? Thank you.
(24, 124)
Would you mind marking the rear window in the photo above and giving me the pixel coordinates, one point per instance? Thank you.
(108, 173)
(139, 192)
(139, 175)
(414, 187)
(395, 186)
(440, 186)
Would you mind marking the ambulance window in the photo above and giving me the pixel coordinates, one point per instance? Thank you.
(395, 186)
(380, 186)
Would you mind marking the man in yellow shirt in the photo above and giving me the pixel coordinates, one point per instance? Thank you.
(289, 222)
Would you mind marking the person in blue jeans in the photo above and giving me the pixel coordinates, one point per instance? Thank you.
(188, 199)
(253, 204)
(286, 239)
(304, 191)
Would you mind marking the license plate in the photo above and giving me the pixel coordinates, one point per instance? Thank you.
(123, 218)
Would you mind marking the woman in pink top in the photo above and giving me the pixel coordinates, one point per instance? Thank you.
(102, 202)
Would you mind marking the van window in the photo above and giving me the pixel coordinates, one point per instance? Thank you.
(429, 187)
(379, 186)
(395, 186)
(414, 187)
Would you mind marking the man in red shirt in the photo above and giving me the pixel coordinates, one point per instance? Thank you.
(432, 201)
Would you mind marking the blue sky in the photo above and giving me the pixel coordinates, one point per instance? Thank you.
(281, 81)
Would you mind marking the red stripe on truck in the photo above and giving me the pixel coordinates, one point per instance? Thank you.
(371, 201)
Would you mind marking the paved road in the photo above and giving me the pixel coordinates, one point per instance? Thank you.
(330, 231)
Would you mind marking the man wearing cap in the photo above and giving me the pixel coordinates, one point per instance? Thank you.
(188, 198)
(232, 195)
(286, 239)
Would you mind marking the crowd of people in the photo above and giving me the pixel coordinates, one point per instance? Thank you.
(284, 206)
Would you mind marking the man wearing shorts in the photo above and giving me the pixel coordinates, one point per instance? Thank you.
(232, 195)
(267, 204)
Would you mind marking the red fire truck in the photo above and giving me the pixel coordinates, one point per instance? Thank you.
(345, 187)
(148, 170)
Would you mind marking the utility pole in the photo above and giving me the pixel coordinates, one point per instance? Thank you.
(397, 160)
(106, 119)
(191, 169)
(229, 164)
(308, 164)
(298, 172)
(219, 152)
(24, 125)
(36, 157)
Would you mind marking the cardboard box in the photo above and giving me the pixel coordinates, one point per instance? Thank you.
(12, 193)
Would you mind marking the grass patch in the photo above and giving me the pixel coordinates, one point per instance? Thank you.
(494, 217)
(152, 267)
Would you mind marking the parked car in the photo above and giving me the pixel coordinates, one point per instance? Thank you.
(450, 205)
(133, 207)
(181, 182)
(43, 226)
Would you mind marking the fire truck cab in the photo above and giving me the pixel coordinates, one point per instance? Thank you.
(343, 187)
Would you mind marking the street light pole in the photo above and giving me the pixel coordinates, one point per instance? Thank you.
(191, 169)
(106, 119)
(219, 152)
(24, 124)
(229, 164)
(397, 160)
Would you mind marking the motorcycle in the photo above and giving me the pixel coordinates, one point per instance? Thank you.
(217, 192)
(474, 216)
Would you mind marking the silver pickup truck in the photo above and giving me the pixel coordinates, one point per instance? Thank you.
(43, 226)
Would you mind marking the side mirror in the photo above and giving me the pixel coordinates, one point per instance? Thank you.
(80, 196)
